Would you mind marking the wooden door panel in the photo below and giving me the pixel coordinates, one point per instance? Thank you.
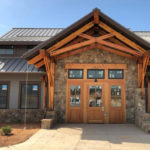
(75, 116)
(75, 102)
(95, 103)
(116, 103)
(96, 116)
(116, 116)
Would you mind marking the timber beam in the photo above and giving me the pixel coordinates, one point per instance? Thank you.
(121, 37)
(96, 16)
(35, 59)
(44, 81)
(92, 40)
(71, 37)
(49, 65)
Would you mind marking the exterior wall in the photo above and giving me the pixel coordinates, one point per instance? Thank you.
(14, 113)
(101, 57)
(19, 50)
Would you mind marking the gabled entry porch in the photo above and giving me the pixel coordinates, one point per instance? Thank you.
(96, 40)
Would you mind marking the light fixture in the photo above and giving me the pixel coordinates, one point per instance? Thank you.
(95, 80)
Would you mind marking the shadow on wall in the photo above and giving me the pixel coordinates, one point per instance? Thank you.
(113, 133)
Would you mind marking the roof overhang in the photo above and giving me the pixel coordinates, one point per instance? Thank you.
(85, 20)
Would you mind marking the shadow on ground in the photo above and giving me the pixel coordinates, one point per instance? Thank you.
(113, 133)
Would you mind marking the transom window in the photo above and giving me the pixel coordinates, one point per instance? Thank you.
(95, 74)
(75, 73)
(115, 74)
(3, 96)
(29, 96)
(6, 50)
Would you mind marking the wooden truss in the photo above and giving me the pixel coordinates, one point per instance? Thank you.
(83, 39)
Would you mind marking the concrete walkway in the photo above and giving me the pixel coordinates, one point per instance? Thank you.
(87, 137)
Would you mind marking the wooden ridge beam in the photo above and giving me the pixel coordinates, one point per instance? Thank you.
(70, 37)
(121, 37)
(96, 17)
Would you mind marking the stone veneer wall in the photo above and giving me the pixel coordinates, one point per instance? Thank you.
(98, 57)
(18, 115)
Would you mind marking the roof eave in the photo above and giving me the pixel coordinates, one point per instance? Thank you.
(20, 42)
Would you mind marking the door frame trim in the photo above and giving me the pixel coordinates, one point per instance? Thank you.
(85, 80)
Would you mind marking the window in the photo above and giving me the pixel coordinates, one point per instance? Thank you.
(3, 96)
(29, 96)
(95, 74)
(116, 96)
(75, 95)
(6, 50)
(95, 96)
(115, 74)
(75, 74)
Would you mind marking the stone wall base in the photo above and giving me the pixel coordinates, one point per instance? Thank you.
(18, 115)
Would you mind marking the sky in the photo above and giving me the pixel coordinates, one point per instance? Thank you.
(133, 14)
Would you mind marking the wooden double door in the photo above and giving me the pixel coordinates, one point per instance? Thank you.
(95, 102)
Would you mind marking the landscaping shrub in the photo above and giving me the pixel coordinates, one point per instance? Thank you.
(5, 130)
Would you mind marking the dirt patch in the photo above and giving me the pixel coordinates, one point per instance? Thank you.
(19, 134)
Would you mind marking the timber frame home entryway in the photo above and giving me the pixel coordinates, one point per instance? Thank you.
(95, 72)
(96, 96)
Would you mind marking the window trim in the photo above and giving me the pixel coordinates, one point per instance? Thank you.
(96, 69)
(8, 93)
(116, 70)
(76, 78)
(39, 94)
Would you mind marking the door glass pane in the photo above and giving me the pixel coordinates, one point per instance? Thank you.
(116, 96)
(95, 96)
(98, 96)
(75, 95)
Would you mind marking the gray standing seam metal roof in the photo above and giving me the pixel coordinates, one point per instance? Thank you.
(17, 65)
(43, 34)
(30, 34)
